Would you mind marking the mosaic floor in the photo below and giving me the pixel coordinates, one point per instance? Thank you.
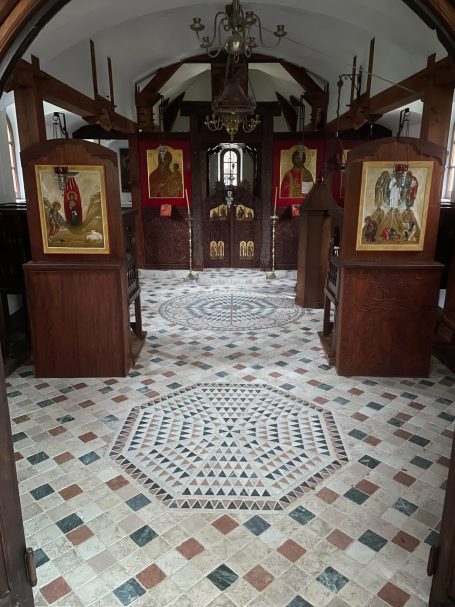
(234, 446)
(242, 311)
(104, 536)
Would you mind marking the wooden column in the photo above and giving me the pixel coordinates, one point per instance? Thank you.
(135, 177)
(444, 347)
(29, 109)
(266, 188)
(314, 226)
(437, 111)
(197, 193)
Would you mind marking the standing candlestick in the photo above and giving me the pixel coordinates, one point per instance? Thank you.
(190, 276)
(274, 218)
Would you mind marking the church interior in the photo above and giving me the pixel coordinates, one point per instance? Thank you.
(227, 313)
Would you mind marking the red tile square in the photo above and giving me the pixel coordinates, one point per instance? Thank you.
(444, 461)
(403, 416)
(300, 371)
(367, 487)
(55, 590)
(60, 399)
(372, 440)
(339, 539)
(79, 535)
(320, 400)
(225, 524)
(63, 457)
(291, 550)
(404, 479)
(249, 377)
(111, 382)
(117, 482)
(259, 578)
(20, 419)
(402, 434)
(190, 548)
(275, 374)
(240, 367)
(41, 386)
(86, 403)
(151, 576)
(360, 417)
(57, 430)
(79, 386)
(87, 437)
(327, 495)
(447, 433)
(393, 595)
(18, 456)
(313, 382)
(417, 406)
(406, 541)
(389, 396)
(68, 492)
(356, 391)
(120, 399)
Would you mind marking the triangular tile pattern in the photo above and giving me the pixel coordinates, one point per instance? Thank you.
(235, 446)
(232, 311)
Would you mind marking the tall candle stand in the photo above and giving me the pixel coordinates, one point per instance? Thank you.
(272, 274)
(190, 276)
(274, 218)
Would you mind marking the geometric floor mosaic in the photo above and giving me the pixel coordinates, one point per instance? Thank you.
(234, 446)
(361, 538)
(235, 311)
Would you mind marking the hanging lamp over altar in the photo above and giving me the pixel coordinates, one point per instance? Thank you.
(233, 109)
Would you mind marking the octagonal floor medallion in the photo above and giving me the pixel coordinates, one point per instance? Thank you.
(231, 311)
(235, 446)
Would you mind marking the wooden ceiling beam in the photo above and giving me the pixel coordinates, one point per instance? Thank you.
(161, 77)
(408, 90)
(301, 76)
(171, 112)
(289, 113)
(66, 97)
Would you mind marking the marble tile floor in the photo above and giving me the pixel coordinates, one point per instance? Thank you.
(357, 537)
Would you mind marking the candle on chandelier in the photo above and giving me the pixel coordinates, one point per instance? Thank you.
(274, 205)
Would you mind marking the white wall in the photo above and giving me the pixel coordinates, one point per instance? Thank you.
(7, 193)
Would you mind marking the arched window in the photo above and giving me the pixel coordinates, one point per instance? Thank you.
(12, 155)
(230, 167)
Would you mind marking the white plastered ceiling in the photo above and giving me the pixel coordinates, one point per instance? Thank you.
(141, 36)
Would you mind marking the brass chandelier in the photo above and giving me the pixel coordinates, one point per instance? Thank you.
(232, 110)
(240, 25)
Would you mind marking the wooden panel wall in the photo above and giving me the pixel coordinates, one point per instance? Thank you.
(89, 332)
(386, 319)
(286, 240)
(165, 239)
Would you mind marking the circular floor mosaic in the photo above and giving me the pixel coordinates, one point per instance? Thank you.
(235, 311)
(235, 446)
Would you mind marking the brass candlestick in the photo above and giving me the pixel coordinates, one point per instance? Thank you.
(272, 274)
(190, 276)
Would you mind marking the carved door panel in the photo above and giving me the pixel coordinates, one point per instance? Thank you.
(245, 237)
(15, 590)
(217, 237)
(441, 563)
